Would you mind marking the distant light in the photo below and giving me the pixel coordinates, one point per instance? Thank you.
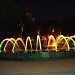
(53, 30)
(38, 32)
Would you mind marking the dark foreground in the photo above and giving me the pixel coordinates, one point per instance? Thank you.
(53, 67)
(37, 56)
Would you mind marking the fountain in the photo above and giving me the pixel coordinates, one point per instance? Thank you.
(61, 42)
(28, 39)
(38, 42)
(39, 45)
(53, 44)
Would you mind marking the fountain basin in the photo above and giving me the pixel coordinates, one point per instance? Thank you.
(37, 55)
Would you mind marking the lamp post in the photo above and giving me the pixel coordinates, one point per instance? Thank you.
(21, 25)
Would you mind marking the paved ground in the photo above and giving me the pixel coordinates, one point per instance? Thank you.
(42, 67)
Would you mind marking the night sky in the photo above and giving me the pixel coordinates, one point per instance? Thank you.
(47, 13)
(49, 9)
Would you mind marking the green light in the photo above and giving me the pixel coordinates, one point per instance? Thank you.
(74, 45)
(0, 48)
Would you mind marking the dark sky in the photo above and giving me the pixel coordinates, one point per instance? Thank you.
(11, 14)
(49, 9)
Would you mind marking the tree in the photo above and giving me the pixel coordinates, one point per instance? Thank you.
(10, 15)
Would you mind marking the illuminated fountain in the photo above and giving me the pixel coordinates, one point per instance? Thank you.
(61, 39)
(53, 44)
(28, 39)
(16, 42)
(38, 43)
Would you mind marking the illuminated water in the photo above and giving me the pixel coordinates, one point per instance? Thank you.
(49, 43)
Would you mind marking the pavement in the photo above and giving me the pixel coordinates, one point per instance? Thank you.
(52, 67)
